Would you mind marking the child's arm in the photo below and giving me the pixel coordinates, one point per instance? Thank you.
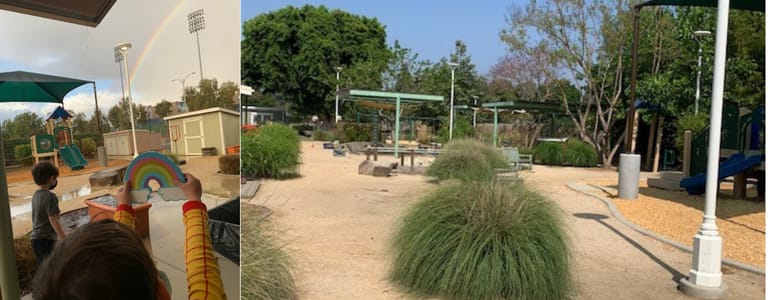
(124, 213)
(203, 276)
(57, 226)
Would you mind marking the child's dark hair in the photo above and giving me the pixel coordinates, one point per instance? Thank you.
(43, 171)
(100, 260)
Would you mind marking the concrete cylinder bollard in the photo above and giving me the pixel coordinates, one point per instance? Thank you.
(101, 153)
(629, 176)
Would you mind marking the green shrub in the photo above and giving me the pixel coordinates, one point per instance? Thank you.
(467, 160)
(88, 147)
(482, 240)
(580, 154)
(266, 268)
(229, 164)
(549, 153)
(270, 152)
(23, 154)
(461, 129)
(355, 132)
(322, 135)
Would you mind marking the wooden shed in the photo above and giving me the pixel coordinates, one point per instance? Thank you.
(120, 143)
(215, 127)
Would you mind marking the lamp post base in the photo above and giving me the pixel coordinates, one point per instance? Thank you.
(702, 292)
(705, 279)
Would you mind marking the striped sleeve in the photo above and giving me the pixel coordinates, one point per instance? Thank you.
(203, 276)
(124, 214)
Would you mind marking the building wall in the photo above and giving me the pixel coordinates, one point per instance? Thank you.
(214, 128)
(121, 142)
(231, 130)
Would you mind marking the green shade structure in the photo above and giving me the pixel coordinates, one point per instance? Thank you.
(528, 107)
(19, 86)
(389, 98)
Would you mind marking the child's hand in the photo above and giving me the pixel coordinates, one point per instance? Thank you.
(192, 189)
(124, 194)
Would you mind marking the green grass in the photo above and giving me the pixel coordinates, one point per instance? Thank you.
(549, 153)
(266, 268)
(467, 160)
(580, 154)
(272, 151)
(482, 240)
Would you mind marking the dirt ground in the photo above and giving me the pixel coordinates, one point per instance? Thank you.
(337, 225)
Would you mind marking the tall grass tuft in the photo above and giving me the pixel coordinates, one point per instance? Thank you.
(482, 240)
(549, 153)
(580, 154)
(270, 152)
(467, 160)
(266, 268)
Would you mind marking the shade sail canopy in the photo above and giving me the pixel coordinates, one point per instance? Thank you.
(753, 5)
(22, 86)
(82, 12)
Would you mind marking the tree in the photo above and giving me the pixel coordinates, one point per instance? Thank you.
(118, 115)
(163, 109)
(209, 94)
(23, 125)
(294, 52)
(582, 42)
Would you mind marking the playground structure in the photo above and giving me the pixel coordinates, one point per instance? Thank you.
(743, 134)
(58, 141)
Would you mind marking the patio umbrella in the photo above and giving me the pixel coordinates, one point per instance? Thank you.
(21, 86)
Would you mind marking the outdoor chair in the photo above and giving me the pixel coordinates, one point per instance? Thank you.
(516, 160)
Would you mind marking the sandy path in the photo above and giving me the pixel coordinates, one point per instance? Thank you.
(337, 224)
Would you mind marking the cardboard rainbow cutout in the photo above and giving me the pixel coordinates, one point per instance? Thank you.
(153, 166)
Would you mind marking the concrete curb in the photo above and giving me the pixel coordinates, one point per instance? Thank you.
(582, 188)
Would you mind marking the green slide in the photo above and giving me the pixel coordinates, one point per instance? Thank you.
(72, 157)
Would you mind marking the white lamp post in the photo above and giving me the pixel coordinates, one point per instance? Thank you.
(184, 89)
(123, 49)
(336, 115)
(450, 118)
(705, 279)
(474, 113)
(699, 35)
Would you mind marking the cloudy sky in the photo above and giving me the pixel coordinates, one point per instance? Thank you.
(163, 50)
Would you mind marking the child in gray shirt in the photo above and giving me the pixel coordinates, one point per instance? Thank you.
(46, 227)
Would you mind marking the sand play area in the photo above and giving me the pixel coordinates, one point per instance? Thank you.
(336, 227)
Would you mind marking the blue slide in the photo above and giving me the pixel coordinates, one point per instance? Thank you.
(736, 163)
(72, 157)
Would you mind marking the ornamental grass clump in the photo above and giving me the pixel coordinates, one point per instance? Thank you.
(467, 160)
(266, 267)
(580, 154)
(482, 240)
(272, 151)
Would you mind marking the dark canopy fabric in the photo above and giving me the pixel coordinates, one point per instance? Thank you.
(22, 86)
(754, 5)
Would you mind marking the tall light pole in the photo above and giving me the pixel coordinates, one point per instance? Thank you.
(184, 88)
(450, 119)
(123, 49)
(197, 23)
(336, 118)
(705, 278)
(474, 113)
(699, 35)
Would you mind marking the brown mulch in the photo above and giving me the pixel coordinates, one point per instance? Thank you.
(678, 216)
